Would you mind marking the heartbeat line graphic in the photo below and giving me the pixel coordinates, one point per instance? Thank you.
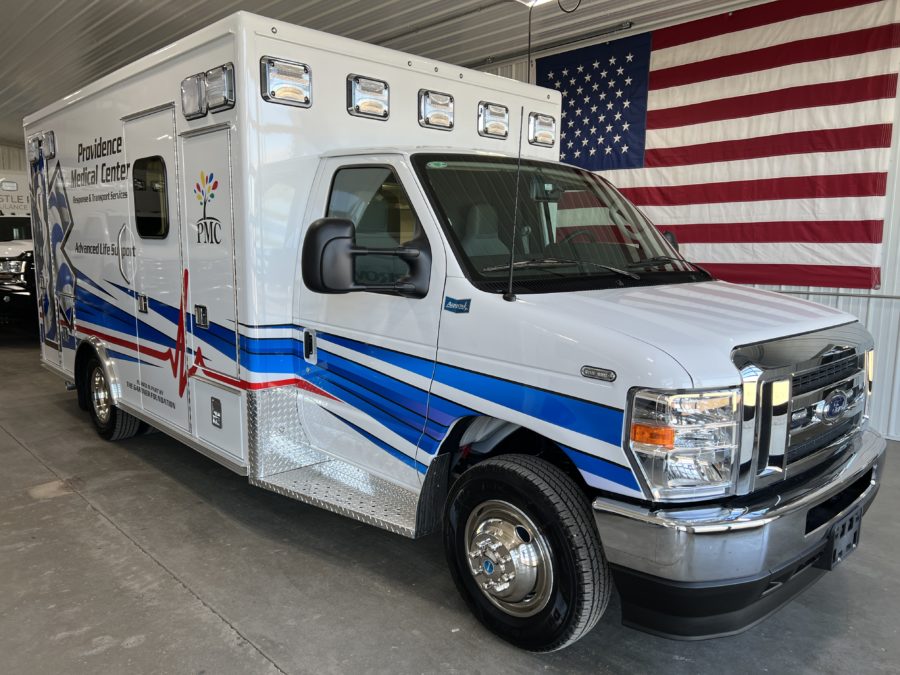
(178, 359)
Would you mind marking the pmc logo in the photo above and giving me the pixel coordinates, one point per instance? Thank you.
(209, 230)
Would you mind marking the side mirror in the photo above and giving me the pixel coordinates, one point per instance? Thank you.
(670, 237)
(328, 261)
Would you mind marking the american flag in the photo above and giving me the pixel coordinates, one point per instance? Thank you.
(761, 137)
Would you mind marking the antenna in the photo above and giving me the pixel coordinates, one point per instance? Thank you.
(509, 296)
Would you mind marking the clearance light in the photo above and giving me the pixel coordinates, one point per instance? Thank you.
(686, 442)
(193, 96)
(220, 88)
(285, 82)
(435, 110)
(367, 97)
(493, 120)
(541, 129)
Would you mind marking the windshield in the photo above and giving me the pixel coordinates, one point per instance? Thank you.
(572, 226)
(15, 228)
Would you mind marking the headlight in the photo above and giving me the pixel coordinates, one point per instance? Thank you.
(13, 266)
(686, 443)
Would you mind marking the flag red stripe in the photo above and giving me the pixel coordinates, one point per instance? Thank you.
(812, 231)
(829, 276)
(791, 98)
(766, 189)
(799, 51)
(751, 17)
(792, 143)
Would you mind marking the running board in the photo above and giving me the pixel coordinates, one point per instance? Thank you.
(334, 485)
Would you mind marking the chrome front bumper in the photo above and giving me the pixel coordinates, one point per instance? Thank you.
(716, 544)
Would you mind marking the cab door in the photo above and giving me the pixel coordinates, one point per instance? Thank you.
(370, 356)
(159, 281)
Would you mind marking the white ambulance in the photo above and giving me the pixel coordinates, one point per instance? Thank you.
(16, 254)
(363, 280)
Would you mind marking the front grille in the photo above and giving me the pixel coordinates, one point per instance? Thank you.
(809, 447)
(825, 375)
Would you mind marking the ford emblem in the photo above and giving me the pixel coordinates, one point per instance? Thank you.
(836, 404)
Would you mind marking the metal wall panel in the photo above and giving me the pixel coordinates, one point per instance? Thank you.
(12, 158)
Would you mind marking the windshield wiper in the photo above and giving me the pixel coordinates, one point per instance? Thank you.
(658, 260)
(558, 262)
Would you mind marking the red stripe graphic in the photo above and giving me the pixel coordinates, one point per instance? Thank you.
(793, 143)
(752, 17)
(829, 276)
(790, 98)
(822, 231)
(799, 51)
(797, 187)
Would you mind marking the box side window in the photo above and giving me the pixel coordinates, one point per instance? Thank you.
(151, 202)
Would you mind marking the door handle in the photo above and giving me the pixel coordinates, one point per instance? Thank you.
(119, 251)
(309, 346)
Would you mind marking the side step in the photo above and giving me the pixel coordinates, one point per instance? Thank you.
(337, 486)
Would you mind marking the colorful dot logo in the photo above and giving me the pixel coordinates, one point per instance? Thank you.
(205, 190)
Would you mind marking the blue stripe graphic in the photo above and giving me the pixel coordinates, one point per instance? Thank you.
(598, 466)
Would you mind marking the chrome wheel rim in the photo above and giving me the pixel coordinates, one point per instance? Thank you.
(509, 558)
(100, 395)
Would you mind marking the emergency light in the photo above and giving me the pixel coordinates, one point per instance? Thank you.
(435, 110)
(493, 120)
(193, 96)
(285, 82)
(541, 129)
(367, 97)
(220, 88)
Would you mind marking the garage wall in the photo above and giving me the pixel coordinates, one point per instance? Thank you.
(879, 310)
(12, 158)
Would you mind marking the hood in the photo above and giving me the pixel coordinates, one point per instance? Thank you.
(15, 248)
(697, 324)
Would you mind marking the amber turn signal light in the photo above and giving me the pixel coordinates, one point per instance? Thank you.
(662, 436)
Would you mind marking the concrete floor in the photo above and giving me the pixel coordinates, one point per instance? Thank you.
(143, 556)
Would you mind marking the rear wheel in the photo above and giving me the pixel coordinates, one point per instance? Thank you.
(111, 423)
(524, 552)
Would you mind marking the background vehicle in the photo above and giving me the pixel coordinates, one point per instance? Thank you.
(416, 336)
(16, 254)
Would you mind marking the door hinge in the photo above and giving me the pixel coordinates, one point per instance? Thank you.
(142, 303)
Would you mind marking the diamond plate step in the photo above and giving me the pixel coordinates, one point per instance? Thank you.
(346, 489)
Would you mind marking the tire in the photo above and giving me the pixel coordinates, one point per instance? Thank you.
(557, 598)
(111, 423)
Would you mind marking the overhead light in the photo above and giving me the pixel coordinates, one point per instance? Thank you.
(193, 96)
(493, 120)
(541, 129)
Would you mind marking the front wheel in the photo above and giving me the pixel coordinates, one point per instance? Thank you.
(524, 552)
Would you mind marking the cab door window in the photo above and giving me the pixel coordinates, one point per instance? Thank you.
(373, 199)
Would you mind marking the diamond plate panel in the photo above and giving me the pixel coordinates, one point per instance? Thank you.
(277, 440)
(343, 488)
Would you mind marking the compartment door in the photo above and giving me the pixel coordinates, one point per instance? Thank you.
(210, 252)
(159, 278)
